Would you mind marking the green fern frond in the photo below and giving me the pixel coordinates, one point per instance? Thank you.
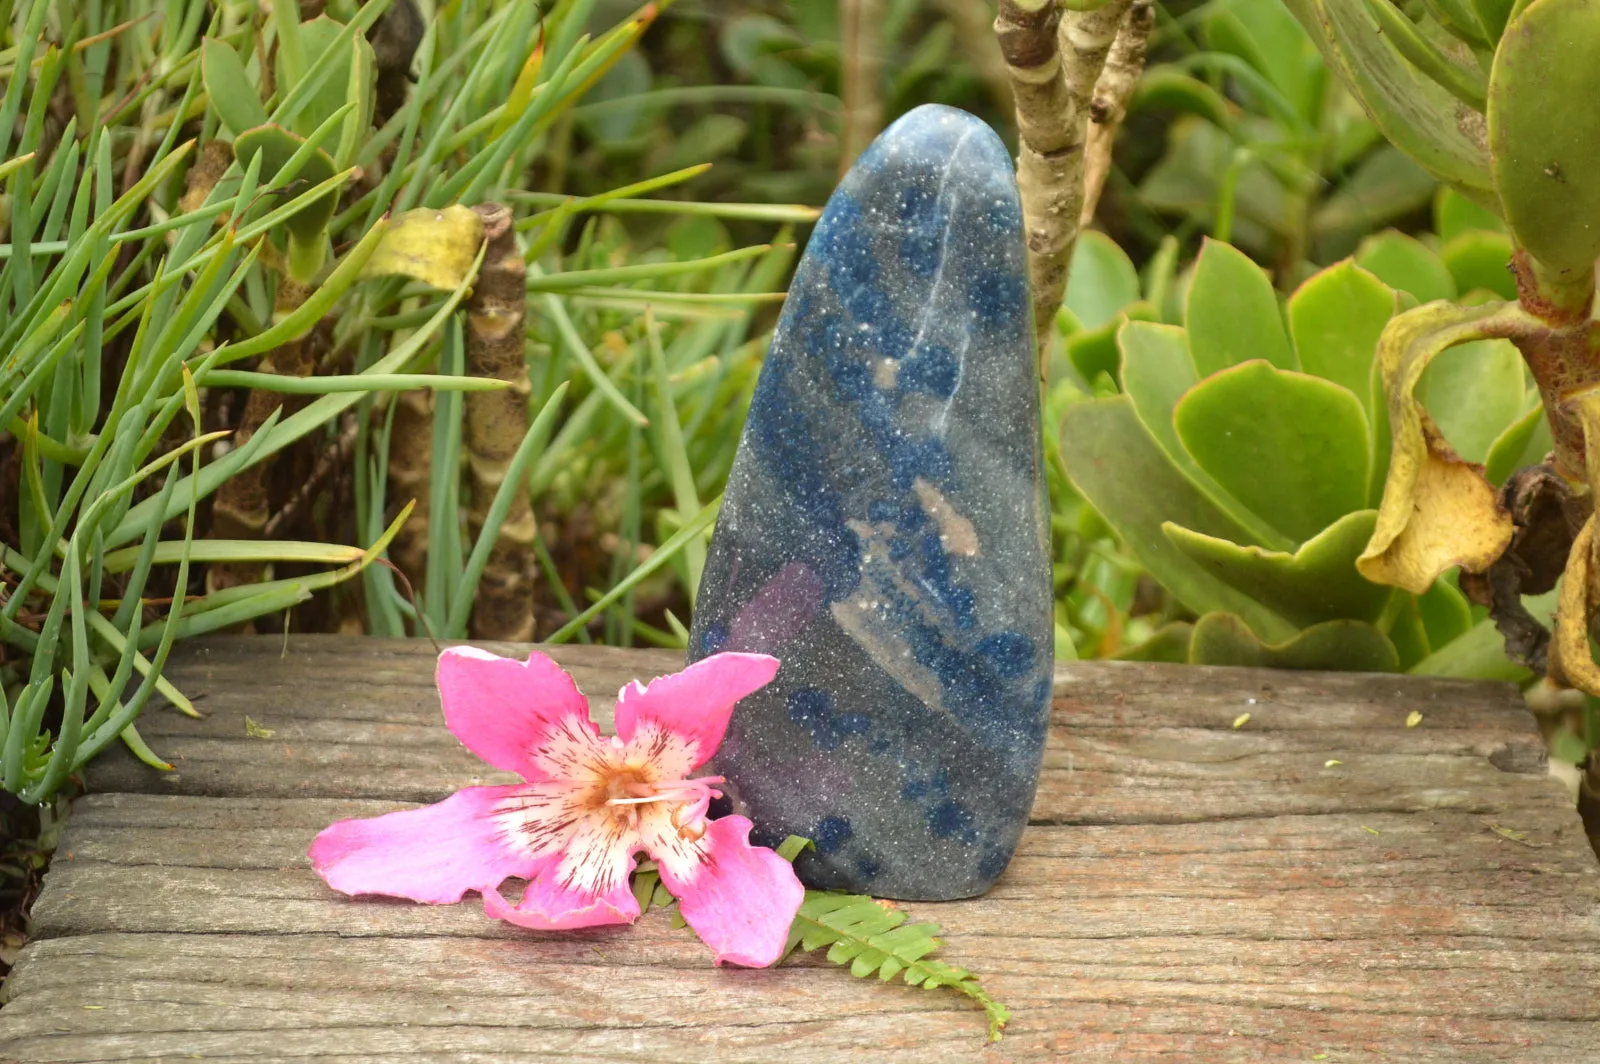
(874, 939)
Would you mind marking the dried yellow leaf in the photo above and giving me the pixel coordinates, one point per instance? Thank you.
(1413, 718)
(1438, 509)
(1241, 720)
(256, 731)
(1331, 762)
(436, 246)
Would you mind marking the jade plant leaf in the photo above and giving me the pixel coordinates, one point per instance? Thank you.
(1291, 447)
(1480, 260)
(335, 88)
(1156, 372)
(1404, 264)
(1473, 392)
(1316, 583)
(233, 95)
(1102, 282)
(1415, 113)
(1454, 214)
(1170, 643)
(1119, 468)
(1445, 612)
(1232, 313)
(1524, 442)
(1094, 351)
(1343, 646)
(1386, 184)
(277, 146)
(1265, 35)
(1336, 318)
(1542, 129)
(1168, 88)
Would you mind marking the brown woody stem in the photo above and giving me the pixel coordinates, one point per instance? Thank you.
(1124, 64)
(496, 423)
(1561, 352)
(1054, 62)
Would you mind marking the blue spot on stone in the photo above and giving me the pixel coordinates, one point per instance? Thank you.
(922, 247)
(1003, 218)
(931, 369)
(999, 298)
(950, 819)
(811, 708)
(713, 638)
(994, 862)
(830, 833)
(1011, 652)
(868, 868)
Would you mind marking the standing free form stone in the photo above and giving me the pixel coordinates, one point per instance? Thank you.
(883, 532)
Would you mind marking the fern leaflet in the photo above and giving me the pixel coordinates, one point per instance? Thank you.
(873, 937)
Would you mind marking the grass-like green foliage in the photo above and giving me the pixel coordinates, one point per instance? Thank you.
(137, 292)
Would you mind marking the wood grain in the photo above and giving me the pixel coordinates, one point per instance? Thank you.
(1188, 891)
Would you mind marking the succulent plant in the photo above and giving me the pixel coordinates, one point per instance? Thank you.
(1243, 455)
(1493, 98)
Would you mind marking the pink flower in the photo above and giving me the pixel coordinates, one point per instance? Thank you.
(587, 806)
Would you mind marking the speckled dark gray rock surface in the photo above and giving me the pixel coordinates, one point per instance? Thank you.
(883, 532)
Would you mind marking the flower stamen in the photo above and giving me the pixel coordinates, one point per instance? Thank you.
(693, 798)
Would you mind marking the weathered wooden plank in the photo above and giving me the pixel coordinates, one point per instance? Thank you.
(1189, 891)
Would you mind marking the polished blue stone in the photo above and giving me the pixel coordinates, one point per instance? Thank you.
(883, 532)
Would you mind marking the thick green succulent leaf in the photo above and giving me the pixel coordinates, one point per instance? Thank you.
(1119, 468)
(1406, 265)
(1187, 182)
(1385, 186)
(1170, 89)
(1407, 632)
(1170, 643)
(1523, 443)
(1480, 260)
(1446, 614)
(1316, 583)
(1459, 18)
(341, 84)
(1480, 652)
(1102, 282)
(1454, 214)
(233, 95)
(1232, 313)
(1464, 80)
(277, 146)
(1156, 372)
(1267, 37)
(1474, 392)
(1292, 447)
(1340, 646)
(1492, 15)
(1094, 351)
(1336, 318)
(1542, 129)
(1414, 112)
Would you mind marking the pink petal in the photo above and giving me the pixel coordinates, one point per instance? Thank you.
(433, 854)
(501, 708)
(741, 900)
(547, 905)
(697, 702)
